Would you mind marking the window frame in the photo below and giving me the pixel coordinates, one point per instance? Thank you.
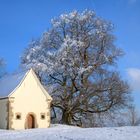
(42, 116)
(18, 116)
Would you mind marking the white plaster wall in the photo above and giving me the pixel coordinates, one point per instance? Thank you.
(3, 113)
(29, 97)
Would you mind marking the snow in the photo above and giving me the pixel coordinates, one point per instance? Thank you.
(81, 70)
(63, 132)
(9, 82)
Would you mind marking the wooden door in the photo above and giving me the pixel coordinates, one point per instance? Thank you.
(30, 121)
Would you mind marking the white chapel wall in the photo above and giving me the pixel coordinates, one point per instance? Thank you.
(29, 98)
(3, 113)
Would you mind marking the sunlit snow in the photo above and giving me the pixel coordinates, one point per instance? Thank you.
(62, 132)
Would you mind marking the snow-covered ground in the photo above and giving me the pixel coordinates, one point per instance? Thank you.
(62, 132)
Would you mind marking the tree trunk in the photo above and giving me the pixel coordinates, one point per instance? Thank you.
(66, 118)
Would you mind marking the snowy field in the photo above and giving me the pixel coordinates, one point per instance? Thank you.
(62, 132)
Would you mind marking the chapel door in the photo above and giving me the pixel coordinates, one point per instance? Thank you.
(30, 121)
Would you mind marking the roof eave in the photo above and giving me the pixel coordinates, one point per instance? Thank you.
(2, 98)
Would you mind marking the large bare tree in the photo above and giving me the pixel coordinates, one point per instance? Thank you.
(77, 60)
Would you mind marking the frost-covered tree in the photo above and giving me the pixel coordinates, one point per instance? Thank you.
(2, 67)
(77, 58)
(133, 116)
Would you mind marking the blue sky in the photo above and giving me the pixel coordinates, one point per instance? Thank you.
(24, 20)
